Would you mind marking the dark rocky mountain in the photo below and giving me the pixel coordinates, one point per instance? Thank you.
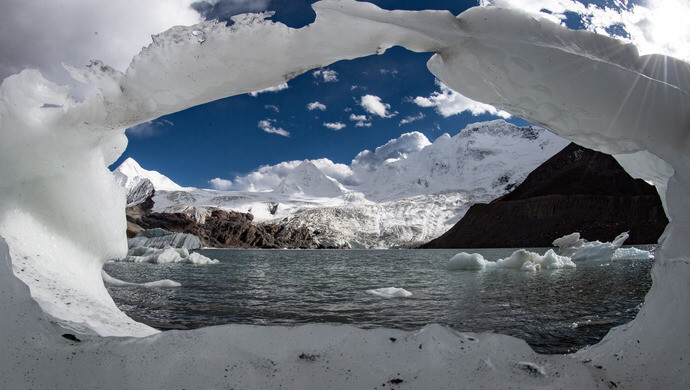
(577, 190)
(222, 229)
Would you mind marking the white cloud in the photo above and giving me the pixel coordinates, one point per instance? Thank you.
(267, 126)
(362, 120)
(654, 27)
(316, 106)
(327, 75)
(392, 72)
(335, 125)
(45, 34)
(269, 177)
(220, 184)
(373, 105)
(448, 102)
(396, 148)
(272, 107)
(411, 118)
(274, 88)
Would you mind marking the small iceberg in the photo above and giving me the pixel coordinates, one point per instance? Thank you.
(521, 259)
(579, 249)
(140, 254)
(390, 292)
(158, 246)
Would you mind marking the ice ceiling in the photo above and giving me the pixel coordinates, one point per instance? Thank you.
(61, 213)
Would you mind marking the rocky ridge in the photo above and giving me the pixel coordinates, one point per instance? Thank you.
(220, 229)
(577, 190)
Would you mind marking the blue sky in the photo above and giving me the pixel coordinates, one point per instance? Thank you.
(224, 138)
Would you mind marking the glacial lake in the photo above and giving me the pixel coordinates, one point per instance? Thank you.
(555, 311)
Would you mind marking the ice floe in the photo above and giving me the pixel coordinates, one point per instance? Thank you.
(579, 249)
(390, 292)
(521, 259)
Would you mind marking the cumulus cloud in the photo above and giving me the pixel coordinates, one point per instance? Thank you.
(373, 105)
(396, 148)
(327, 75)
(316, 106)
(44, 34)
(220, 184)
(411, 118)
(335, 125)
(361, 120)
(267, 126)
(653, 26)
(274, 88)
(448, 102)
(269, 177)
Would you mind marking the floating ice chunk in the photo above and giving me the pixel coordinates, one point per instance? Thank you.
(520, 259)
(196, 258)
(464, 260)
(579, 249)
(164, 283)
(168, 255)
(390, 292)
(140, 254)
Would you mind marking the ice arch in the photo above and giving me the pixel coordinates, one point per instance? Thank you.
(60, 212)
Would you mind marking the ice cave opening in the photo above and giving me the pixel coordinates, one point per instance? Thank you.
(591, 89)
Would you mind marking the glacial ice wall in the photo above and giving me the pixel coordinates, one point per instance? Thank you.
(61, 213)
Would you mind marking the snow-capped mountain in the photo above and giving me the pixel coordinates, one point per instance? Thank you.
(139, 182)
(307, 179)
(404, 193)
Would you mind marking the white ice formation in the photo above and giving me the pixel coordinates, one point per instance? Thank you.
(579, 249)
(520, 259)
(160, 238)
(390, 292)
(56, 237)
(142, 254)
(160, 246)
(164, 283)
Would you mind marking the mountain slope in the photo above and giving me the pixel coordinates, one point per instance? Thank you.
(577, 190)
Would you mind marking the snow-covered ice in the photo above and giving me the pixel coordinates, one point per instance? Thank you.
(579, 249)
(55, 236)
(142, 254)
(520, 259)
(164, 283)
(389, 292)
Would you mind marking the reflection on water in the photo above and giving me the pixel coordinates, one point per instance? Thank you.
(555, 311)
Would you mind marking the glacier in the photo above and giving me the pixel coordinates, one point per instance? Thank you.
(407, 192)
(591, 89)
